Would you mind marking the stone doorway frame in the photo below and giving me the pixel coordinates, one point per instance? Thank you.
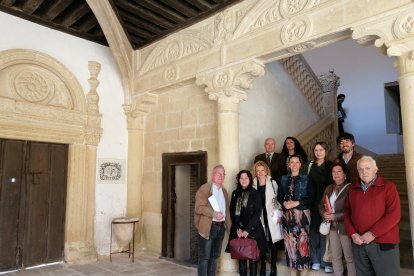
(41, 100)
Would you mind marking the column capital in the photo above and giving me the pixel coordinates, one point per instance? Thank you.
(393, 32)
(138, 110)
(227, 84)
(330, 81)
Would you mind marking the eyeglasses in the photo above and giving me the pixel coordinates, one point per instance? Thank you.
(220, 174)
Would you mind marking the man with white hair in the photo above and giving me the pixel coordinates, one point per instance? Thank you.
(371, 215)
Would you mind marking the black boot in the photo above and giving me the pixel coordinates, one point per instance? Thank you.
(253, 268)
(273, 267)
(263, 267)
(243, 268)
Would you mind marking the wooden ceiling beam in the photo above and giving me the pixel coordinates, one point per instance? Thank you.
(201, 5)
(7, 3)
(162, 10)
(88, 24)
(177, 5)
(138, 31)
(55, 9)
(30, 6)
(75, 14)
(143, 13)
(133, 20)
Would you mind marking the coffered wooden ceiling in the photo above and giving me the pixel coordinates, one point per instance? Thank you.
(144, 21)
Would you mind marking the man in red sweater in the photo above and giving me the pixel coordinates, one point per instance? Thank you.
(371, 215)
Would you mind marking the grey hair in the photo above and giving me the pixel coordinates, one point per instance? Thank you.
(369, 159)
(219, 166)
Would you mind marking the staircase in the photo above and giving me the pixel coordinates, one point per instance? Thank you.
(392, 167)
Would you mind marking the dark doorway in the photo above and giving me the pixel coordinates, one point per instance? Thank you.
(178, 199)
(32, 203)
(393, 108)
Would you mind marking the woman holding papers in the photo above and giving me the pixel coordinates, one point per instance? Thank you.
(331, 208)
(245, 210)
(271, 215)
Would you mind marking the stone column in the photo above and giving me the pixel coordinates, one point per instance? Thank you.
(80, 231)
(136, 128)
(227, 86)
(330, 84)
(405, 66)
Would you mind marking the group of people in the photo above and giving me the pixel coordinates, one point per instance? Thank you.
(285, 197)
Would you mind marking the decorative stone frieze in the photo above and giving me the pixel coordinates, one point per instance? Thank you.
(182, 45)
(228, 84)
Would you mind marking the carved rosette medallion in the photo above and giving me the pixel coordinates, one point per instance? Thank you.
(32, 86)
(295, 30)
(171, 73)
(292, 7)
(404, 26)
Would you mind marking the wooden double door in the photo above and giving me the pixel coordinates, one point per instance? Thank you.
(32, 202)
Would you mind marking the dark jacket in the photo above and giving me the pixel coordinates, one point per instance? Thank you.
(249, 218)
(376, 210)
(303, 191)
(320, 177)
(277, 165)
(352, 165)
(338, 223)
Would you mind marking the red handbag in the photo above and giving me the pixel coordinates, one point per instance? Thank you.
(244, 249)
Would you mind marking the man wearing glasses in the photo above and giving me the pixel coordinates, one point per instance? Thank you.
(211, 217)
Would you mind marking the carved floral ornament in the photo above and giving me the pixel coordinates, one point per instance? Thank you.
(229, 84)
(32, 86)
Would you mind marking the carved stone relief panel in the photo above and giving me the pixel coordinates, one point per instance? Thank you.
(35, 84)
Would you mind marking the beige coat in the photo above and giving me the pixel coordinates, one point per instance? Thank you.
(275, 229)
(203, 212)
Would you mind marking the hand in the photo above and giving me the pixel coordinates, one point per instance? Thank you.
(219, 216)
(367, 237)
(356, 238)
(290, 204)
(239, 233)
(245, 234)
(328, 216)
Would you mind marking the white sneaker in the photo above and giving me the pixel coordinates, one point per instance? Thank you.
(328, 269)
(316, 266)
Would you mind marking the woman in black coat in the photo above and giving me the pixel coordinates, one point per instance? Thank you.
(245, 211)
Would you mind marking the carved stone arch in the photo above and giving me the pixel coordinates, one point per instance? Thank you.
(41, 100)
(176, 47)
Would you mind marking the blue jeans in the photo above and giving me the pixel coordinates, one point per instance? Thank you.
(209, 250)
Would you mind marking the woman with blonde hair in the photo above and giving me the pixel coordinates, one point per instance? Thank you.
(271, 213)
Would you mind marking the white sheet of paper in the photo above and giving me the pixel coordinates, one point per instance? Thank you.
(214, 203)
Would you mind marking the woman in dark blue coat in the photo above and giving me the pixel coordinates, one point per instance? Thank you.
(245, 211)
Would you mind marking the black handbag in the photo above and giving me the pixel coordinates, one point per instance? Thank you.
(244, 249)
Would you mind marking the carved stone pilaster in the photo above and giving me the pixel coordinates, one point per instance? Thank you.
(93, 126)
(228, 84)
